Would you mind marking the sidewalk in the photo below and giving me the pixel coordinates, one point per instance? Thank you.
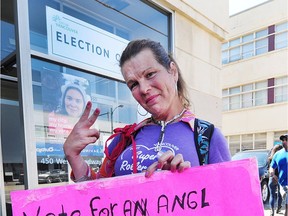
(267, 210)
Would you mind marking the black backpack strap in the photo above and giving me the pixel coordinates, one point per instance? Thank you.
(203, 131)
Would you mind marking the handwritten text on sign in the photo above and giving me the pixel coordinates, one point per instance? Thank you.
(220, 189)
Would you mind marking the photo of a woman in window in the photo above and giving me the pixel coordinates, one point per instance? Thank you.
(73, 100)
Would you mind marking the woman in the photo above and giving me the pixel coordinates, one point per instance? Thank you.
(73, 100)
(164, 141)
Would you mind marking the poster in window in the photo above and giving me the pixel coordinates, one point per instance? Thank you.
(64, 98)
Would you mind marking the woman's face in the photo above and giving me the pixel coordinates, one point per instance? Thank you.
(74, 102)
(152, 85)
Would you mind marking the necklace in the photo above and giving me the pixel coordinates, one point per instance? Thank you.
(163, 125)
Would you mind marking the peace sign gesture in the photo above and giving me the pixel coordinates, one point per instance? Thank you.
(81, 135)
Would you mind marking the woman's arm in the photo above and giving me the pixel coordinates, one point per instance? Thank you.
(219, 151)
(81, 135)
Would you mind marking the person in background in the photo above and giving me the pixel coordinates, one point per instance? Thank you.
(166, 139)
(73, 100)
(274, 186)
(280, 162)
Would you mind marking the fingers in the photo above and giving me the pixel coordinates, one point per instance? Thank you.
(184, 165)
(78, 139)
(167, 161)
(82, 135)
(177, 162)
(91, 136)
(85, 120)
(151, 169)
(171, 162)
(85, 116)
(86, 112)
(93, 133)
(165, 158)
(93, 117)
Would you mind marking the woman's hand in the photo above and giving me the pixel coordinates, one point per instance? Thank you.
(80, 136)
(168, 161)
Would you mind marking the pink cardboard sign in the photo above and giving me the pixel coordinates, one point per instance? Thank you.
(230, 188)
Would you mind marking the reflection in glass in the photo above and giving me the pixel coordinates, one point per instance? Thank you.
(57, 109)
(124, 20)
(11, 143)
(7, 39)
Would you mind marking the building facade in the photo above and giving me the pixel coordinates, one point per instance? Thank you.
(255, 77)
(49, 47)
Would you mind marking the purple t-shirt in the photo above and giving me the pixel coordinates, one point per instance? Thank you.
(178, 137)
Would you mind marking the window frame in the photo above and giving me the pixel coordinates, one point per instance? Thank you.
(256, 38)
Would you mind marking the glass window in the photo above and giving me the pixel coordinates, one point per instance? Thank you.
(234, 90)
(225, 99)
(123, 91)
(261, 85)
(248, 50)
(281, 89)
(225, 57)
(248, 38)
(261, 93)
(281, 40)
(255, 43)
(234, 100)
(56, 108)
(121, 18)
(281, 27)
(260, 141)
(261, 46)
(53, 83)
(225, 46)
(247, 100)
(235, 42)
(105, 87)
(8, 45)
(253, 94)
(247, 141)
(12, 145)
(234, 144)
(247, 96)
(60, 94)
(281, 81)
(262, 33)
(235, 54)
(248, 87)
(129, 110)
(48, 96)
(281, 35)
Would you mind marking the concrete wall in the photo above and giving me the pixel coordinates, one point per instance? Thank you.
(199, 30)
(267, 118)
(257, 68)
(273, 11)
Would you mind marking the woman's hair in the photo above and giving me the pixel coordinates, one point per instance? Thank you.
(162, 57)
